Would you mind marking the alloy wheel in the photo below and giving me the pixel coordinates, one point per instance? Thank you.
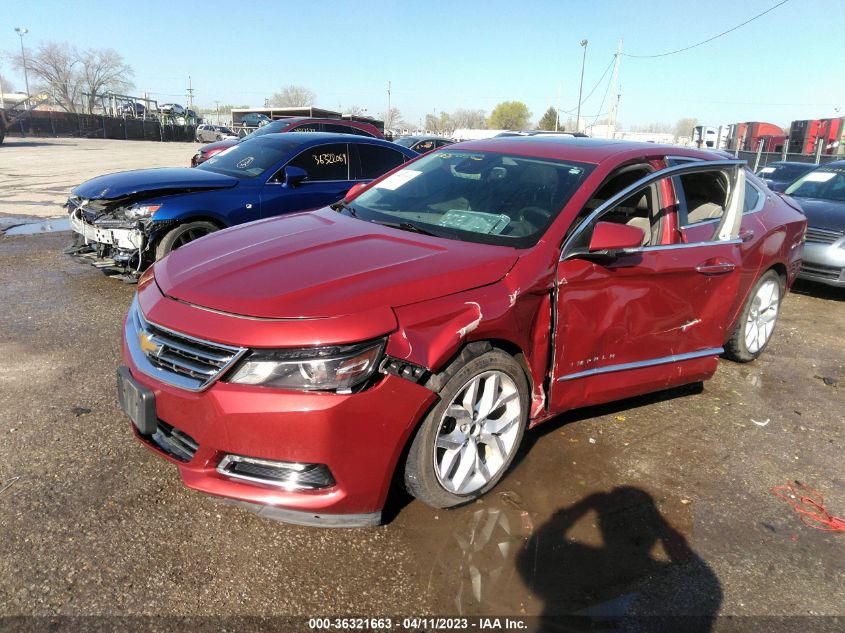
(477, 433)
(762, 316)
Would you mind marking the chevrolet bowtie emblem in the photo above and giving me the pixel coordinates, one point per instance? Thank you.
(147, 345)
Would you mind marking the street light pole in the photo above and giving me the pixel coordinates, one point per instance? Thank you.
(581, 87)
(21, 32)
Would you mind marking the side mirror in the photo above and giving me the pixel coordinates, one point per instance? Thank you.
(294, 176)
(609, 237)
(355, 190)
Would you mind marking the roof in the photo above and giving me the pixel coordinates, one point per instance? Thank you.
(586, 150)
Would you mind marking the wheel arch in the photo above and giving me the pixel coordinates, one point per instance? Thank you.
(467, 351)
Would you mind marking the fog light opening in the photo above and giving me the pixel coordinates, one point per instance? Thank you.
(285, 475)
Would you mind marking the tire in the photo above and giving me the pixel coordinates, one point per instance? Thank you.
(454, 458)
(181, 235)
(755, 326)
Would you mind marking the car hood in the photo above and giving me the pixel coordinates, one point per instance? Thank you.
(321, 265)
(219, 145)
(132, 183)
(823, 214)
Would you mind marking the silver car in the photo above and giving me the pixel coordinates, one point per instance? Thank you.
(821, 193)
(207, 133)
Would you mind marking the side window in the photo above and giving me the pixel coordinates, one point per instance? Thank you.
(703, 196)
(324, 162)
(424, 146)
(334, 128)
(622, 178)
(640, 210)
(374, 160)
(753, 198)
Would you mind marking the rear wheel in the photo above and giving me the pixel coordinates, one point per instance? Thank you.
(757, 320)
(467, 442)
(183, 234)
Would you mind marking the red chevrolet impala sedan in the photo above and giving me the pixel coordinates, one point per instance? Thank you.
(414, 331)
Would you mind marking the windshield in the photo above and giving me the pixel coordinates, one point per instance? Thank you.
(474, 196)
(225, 130)
(825, 183)
(270, 128)
(250, 159)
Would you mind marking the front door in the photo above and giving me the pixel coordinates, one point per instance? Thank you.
(654, 316)
(328, 168)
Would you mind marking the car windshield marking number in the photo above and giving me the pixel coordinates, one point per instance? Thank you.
(392, 183)
(329, 159)
(245, 162)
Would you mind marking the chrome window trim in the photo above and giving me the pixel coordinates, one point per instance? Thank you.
(653, 362)
(135, 322)
(669, 247)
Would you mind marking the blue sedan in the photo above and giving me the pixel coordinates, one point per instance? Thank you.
(125, 221)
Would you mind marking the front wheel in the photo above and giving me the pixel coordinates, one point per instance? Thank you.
(757, 320)
(467, 442)
(183, 234)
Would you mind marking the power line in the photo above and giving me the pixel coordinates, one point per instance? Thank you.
(590, 94)
(710, 39)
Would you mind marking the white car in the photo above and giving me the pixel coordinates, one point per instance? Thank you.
(171, 109)
(207, 133)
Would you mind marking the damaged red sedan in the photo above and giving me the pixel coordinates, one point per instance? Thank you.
(414, 331)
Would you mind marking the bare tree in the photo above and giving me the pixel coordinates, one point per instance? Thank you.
(293, 96)
(356, 110)
(5, 84)
(469, 119)
(54, 69)
(392, 118)
(64, 72)
(103, 70)
(684, 126)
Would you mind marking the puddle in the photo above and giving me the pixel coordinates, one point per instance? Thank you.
(46, 226)
(611, 553)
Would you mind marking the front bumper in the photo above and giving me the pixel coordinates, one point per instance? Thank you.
(124, 239)
(824, 263)
(358, 436)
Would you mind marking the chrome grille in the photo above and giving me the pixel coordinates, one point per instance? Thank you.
(174, 358)
(820, 270)
(823, 236)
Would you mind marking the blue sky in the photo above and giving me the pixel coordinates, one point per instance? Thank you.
(443, 55)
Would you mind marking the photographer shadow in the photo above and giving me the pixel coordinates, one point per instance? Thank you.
(631, 571)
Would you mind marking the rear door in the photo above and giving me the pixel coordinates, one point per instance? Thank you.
(654, 316)
(328, 168)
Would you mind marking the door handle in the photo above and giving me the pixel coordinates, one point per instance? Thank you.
(715, 267)
(746, 236)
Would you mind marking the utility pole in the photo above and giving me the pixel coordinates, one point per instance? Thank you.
(217, 107)
(581, 87)
(190, 94)
(615, 107)
(557, 110)
(388, 117)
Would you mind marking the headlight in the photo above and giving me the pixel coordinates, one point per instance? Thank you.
(141, 211)
(335, 368)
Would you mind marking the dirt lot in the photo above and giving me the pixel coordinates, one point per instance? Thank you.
(37, 174)
(660, 504)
